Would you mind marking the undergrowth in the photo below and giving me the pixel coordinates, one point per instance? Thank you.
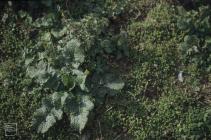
(87, 69)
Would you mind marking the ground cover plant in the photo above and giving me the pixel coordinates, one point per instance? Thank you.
(105, 70)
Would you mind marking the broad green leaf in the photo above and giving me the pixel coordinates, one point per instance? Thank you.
(46, 21)
(22, 14)
(106, 44)
(64, 97)
(58, 34)
(39, 72)
(115, 85)
(47, 3)
(81, 79)
(68, 81)
(71, 46)
(28, 61)
(112, 82)
(50, 112)
(46, 124)
(46, 36)
(79, 120)
(57, 113)
(59, 99)
(53, 82)
(4, 18)
(47, 103)
(78, 55)
(208, 40)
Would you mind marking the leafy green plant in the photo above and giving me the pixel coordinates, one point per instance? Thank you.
(196, 45)
(54, 67)
(61, 63)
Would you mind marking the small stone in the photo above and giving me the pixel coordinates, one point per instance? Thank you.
(180, 76)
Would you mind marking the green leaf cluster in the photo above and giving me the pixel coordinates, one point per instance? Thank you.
(196, 47)
(55, 66)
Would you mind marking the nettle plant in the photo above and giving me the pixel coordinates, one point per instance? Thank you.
(196, 47)
(55, 67)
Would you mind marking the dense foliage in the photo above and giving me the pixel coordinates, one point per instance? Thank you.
(101, 69)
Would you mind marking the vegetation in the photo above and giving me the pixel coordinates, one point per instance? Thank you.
(106, 70)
